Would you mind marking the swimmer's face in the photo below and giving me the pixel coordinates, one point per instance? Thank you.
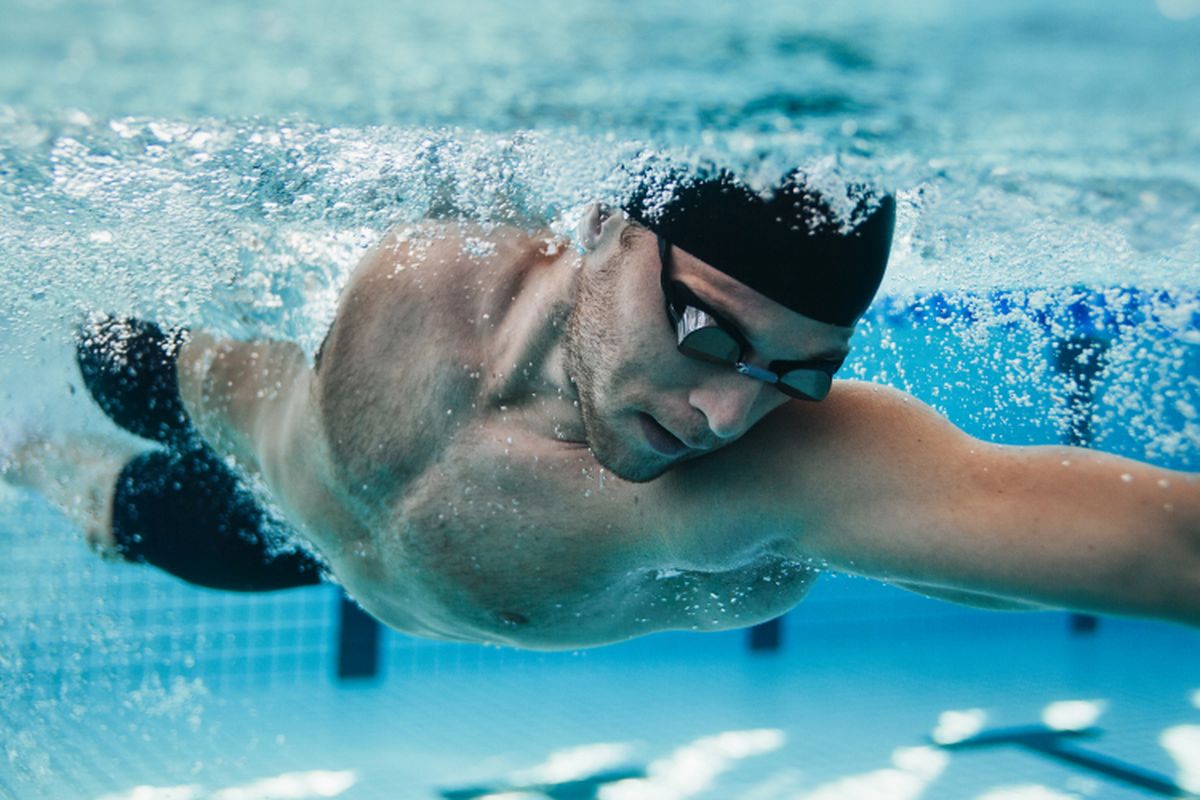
(645, 405)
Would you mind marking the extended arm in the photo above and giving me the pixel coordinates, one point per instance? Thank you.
(874, 482)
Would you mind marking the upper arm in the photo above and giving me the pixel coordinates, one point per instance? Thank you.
(241, 393)
(874, 482)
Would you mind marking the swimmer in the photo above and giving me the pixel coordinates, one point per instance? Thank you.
(504, 439)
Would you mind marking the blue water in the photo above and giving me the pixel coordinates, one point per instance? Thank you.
(224, 165)
(207, 161)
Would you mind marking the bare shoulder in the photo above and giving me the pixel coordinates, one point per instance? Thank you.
(808, 468)
(860, 427)
(398, 373)
(873, 449)
(422, 293)
(857, 410)
(432, 248)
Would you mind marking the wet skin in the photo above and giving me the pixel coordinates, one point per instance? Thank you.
(508, 448)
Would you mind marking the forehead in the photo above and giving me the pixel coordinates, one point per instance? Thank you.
(758, 315)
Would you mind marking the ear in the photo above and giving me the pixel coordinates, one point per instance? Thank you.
(591, 226)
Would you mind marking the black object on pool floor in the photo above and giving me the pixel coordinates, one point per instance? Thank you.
(1057, 745)
(582, 789)
(358, 642)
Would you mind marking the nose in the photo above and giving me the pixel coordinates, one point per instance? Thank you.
(728, 403)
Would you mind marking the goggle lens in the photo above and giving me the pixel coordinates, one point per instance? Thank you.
(809, 384)
(700, 336)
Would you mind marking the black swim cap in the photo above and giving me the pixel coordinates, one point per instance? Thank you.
(787, 245)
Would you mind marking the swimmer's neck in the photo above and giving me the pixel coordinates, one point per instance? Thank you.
(524, 350)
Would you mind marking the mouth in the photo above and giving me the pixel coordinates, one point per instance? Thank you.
(661, 440)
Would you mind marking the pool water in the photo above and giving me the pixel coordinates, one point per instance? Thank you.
(224, 165)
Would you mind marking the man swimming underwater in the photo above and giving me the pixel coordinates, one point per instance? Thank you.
(506, 440)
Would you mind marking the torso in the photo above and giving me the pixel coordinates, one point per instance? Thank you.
(446, 499)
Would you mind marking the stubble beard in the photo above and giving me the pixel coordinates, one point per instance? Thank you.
(591, 360)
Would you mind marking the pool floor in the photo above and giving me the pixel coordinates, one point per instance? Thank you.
(847, 713)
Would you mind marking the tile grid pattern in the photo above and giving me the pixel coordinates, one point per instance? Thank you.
(850, 703)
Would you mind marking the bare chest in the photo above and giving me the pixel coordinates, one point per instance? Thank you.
(549, 552)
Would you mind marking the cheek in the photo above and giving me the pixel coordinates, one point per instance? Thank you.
(643, 342)
(606, 349)
(770, 400)
(636, 357)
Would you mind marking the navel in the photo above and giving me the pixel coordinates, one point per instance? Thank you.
(512, 618)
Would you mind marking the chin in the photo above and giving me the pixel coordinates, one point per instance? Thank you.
(618, 456)
(634, 470)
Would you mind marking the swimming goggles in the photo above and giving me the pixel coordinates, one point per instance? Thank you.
(703, 334)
